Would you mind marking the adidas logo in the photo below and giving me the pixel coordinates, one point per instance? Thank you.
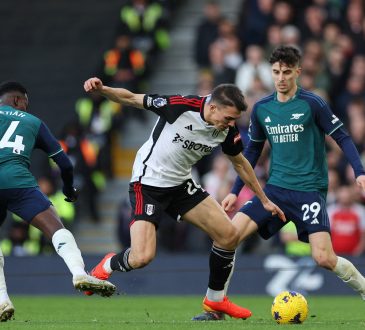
(60, 245)
(267, 119)
(315, 222)
(189, 127)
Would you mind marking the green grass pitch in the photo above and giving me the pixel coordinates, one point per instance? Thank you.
(172, 312)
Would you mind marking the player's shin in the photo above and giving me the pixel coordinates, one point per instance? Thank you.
(66, 247)
(221, 263)
(348, 273)
(3, 291)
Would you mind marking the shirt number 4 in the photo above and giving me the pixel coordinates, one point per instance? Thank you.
(17, 144)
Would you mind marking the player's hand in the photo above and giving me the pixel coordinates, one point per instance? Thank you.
(93, 85)
(275, 210)
(360, 180)
(228, 202)
(71, 194)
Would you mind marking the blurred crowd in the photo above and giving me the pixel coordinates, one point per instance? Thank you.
(331, 35)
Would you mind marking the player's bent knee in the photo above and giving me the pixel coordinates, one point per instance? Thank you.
(325, 261)
(229, 241)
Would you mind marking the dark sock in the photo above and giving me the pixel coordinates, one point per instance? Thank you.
(120, 261)
(220, 264)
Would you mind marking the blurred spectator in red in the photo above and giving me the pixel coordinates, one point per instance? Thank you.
(207, 33)
(347, 218)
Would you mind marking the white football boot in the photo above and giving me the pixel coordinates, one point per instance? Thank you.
(93, 284)
(6, 311)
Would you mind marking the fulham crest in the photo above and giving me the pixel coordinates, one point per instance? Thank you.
(150, 209)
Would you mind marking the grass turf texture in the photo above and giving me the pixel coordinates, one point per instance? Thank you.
(172, 312)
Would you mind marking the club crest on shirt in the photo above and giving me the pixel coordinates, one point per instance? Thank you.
(159, 102)
(150, 209)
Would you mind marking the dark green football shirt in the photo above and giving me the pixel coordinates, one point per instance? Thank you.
(18, 134)
(296, 132)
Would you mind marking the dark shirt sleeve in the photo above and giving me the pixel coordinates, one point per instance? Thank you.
(172, 106)
(252, 154)
(324, 116)
(49, 144)
(232, 145)
(346, 144)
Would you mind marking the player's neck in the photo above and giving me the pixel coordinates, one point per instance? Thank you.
(284, 97)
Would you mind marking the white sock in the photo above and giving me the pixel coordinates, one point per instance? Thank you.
(66, 247)
(107, 266)
(214, 295)
(3, 291)
(348, 273)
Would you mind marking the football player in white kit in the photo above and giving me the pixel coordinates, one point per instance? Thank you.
(188, 128)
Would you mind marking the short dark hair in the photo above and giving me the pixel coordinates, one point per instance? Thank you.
(288, 55)
(229, 95)
(11, 86)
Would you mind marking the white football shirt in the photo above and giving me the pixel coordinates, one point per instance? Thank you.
(179, 139)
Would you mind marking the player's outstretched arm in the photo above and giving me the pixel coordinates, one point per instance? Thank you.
(118, 95)
(247, 174)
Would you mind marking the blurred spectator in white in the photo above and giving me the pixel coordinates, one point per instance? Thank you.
(347, 218)
(207, 33)
(255, 65)
(290, 35)
(219, 180)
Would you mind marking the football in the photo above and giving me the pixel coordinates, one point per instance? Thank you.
(289, 307)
